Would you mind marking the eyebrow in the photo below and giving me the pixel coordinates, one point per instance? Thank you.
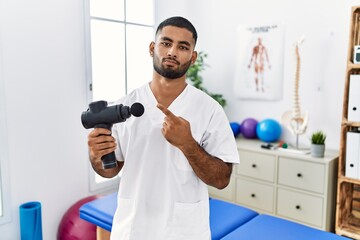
(181, 42)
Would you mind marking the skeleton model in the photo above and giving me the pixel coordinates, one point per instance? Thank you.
(296, 120)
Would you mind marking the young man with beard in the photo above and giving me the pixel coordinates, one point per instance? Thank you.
(167, 157)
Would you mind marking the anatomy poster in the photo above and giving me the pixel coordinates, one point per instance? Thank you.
(259, 62)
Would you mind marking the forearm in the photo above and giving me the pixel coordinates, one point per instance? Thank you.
(211, 170)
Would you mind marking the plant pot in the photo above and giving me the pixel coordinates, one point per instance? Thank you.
(317, 150)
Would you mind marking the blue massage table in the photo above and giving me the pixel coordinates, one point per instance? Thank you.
(224, 217)
(100, 211)
(228, 221)
(267, 227)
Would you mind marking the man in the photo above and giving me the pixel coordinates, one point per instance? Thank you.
(182, 143)
(259, 54)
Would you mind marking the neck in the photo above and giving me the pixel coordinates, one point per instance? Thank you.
(167, 90)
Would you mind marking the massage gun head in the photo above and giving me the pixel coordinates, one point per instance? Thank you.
(100, 115)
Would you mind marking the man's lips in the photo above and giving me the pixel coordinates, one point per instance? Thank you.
(171, 61)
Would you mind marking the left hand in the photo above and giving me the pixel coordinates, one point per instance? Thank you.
(176, 130)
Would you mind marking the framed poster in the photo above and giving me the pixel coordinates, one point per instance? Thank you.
(259, 62)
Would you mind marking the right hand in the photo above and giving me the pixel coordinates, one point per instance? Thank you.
(100, 143)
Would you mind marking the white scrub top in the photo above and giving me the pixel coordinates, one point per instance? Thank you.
(160, 197)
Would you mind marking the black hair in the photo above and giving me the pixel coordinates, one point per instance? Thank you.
(178, 22)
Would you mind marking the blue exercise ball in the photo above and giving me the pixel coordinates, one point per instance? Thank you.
(268, 130)
(236, 128)
(248, 127)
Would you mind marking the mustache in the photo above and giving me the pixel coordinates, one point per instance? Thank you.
(171, 59)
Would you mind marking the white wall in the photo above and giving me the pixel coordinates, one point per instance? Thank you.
(325, 25)
(44, 73)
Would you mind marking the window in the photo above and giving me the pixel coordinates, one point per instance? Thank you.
(118, 34)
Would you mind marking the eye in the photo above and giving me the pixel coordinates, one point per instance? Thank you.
(166, 44)
(184, 48)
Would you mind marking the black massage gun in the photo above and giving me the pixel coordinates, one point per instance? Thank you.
(99, 115)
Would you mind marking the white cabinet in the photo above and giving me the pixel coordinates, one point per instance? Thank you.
(304, 175)
(255, 195)
(293, 186)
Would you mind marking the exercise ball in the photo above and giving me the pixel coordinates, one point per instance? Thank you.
(248, 128)
(72, 227)
(236, 128)
(268, 130)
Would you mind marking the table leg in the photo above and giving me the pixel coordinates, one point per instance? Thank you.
(102, 234)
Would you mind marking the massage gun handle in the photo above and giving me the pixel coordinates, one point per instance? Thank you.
(109, 160)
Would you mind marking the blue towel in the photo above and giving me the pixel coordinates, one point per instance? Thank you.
(30, 221)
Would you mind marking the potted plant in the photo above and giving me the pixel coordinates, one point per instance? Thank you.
(193, 74)
(318, 144)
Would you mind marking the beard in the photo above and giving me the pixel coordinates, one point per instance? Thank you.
(170, 73)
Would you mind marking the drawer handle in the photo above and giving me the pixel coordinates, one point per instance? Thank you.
(253, 195)
(299, 175)
(254, 165)
(298, 207)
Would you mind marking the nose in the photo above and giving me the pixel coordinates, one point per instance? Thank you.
(172, 52)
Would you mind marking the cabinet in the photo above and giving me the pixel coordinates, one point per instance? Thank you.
(348, 187)
(297, 187)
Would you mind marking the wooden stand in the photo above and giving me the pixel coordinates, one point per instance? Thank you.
(348, 189)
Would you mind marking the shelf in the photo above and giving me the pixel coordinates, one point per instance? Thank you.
(348, 214)
(353, 66)
(350, 124)
(348, 231)
(349, 180)
(348, 191)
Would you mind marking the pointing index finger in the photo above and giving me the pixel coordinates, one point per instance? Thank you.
(166, 111)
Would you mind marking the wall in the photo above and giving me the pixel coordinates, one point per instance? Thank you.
(44, 73)
(325, 25)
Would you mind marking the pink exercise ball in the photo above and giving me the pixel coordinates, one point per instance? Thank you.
(72, 227)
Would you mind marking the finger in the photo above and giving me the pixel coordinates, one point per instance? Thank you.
(168, 120)
(163, 131)
(96, 146)
(99, 131)
(105, 146)
(166, 111)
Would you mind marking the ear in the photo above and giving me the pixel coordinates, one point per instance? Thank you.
(151, 49)
(194, 57)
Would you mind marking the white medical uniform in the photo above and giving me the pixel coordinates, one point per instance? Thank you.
(160, 197)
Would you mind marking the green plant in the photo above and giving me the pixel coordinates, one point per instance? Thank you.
(193, 74)
(318, 137)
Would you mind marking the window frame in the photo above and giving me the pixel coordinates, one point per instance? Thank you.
(112, 183)
(5, 217)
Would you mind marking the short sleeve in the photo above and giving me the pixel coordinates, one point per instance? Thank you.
(218, 139)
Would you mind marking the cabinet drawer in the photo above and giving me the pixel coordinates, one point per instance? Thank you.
(300, 207)
(226, 193)
(257, 165)
(255, 195)
(301, 174)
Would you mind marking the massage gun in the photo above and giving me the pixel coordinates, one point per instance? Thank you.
(99, 115)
